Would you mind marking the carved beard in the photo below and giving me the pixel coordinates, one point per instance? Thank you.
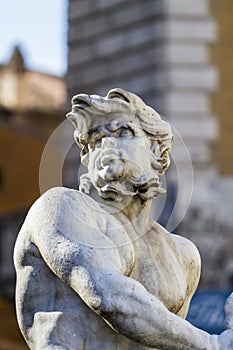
(115, 178)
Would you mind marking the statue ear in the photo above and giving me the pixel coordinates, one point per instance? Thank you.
(84, 158)
(165, 161)
(80, 140)
(155, 148)
(160, 150)
(85, 183)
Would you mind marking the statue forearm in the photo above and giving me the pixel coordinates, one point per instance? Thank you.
(138, 315)
(135, 313)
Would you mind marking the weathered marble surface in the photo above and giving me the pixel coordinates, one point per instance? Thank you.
(93, 271)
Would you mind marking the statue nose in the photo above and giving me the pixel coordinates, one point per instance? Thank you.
(111, 148)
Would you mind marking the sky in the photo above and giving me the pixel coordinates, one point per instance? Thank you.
(40, 29)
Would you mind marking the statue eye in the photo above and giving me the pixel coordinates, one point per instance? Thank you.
(125, 132)
(98, 141)
(94, 142)
(94, 139)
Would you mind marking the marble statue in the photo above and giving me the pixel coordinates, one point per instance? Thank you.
(93, 270)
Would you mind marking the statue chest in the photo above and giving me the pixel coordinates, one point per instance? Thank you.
(158, 267)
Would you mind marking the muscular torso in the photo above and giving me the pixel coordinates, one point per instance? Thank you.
(154, 260)
(159, 269)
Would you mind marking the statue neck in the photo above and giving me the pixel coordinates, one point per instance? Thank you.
(130, 208)
(137, 211)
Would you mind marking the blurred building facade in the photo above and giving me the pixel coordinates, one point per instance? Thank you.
(31, 106)
(173, 54)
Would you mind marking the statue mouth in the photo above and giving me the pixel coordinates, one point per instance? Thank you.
(108, 157)
(113, 164)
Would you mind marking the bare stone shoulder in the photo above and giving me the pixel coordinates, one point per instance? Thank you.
(66, 209)
(44, 215)
(59, 200)
(191, 262)
(50, 202)
(188, 251)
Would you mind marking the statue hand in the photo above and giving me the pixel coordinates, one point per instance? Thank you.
(224, 341)
(228, 310)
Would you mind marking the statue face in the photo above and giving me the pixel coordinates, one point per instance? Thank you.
(119, 158)
(116, 133)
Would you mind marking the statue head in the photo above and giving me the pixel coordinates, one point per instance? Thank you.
(124, 144)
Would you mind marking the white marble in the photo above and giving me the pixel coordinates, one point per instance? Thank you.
(93, 270)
